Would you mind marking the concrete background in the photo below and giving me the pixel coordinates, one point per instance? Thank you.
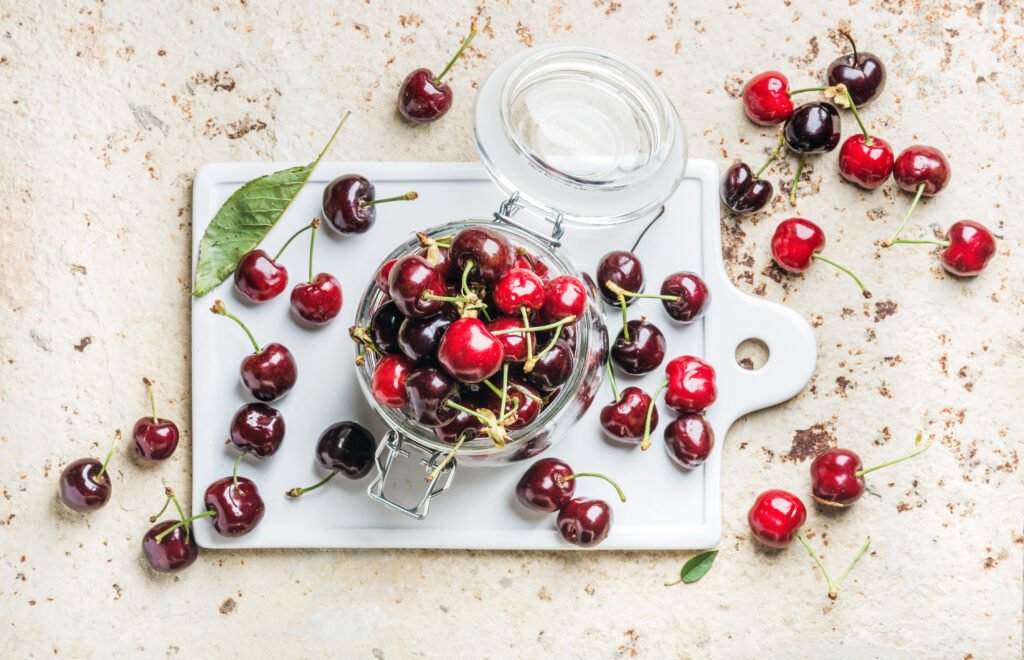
(107, 109)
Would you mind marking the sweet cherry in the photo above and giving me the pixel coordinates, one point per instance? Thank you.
(514, 343)
(922, 170)
(796, 244)
(319, 300)
(155, 438)
(85, 484)
(624, 419)
(766, 98)
(775, 517)
(270, 372)
(485, 253)
(565, 296)
(837, 475)
(519, 291)
(381, 277)
(691, 294)
(172, 553)
(691, 385)
(388, 382)
(742, 191)
(862, 73)
(640, 349)
(689, 440)
(258, 429)
(422, 98)
(585, 522)
(350, 204)
(345, 448)
(469, 352)
(260, 278)
(624, 270)
(416, 287)
(549, 484)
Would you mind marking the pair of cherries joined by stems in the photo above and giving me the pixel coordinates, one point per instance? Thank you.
(549, 486)
(837, 481)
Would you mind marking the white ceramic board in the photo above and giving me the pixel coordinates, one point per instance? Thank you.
(667, 508)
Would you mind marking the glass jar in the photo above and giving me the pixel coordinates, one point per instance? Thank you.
(574, 136)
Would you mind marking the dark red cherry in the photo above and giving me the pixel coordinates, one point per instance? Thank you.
(419, 339)
(834, 478)
(775, 517)
(585, 522)
(237, 508)
(428, 390)
(624, 420)
(623, 269)
(384, 327)
(862, 72)
(259, 278)
(517, 289)
(344, 204)
(971, 246)
(174, 552)
(410, 280)
(643, 351)
(463, 422)
(85, 485)
(795, 243)
(514, 344)
(693, 296)
(469, 352)
(691, 384)
(523, 398)
(381, 277)
(866, 164)
(813, 128)
(766, 98)
(269, 374)
(921, 165)
(258, 429)
(155, 438)
(564, 296)
(422, 97)
(347, 448)
(543, 487)
(552, 369)
(388, 382)
(319, 301)
(491, 253)
(689, 440)
(742, 192)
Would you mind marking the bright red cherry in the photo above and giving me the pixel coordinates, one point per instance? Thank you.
(691, 384)
(970, 246)
(514, 344)
(920, 165)
(388, 382)
(260, 278)
(543, 487)
(776, 517)
(318, 301)
(868, 164)
(155, 438)
(564, 297)
(766, 98)
(796, 244)
(585, 522)
(469, 352)
(270, 372)
(519, 288)
(422, 98)
(689, 440)
(381, 278)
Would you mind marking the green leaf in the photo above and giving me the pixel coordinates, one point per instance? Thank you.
(246, 218)
(695, 568)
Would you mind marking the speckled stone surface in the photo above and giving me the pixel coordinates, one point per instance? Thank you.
(107, 109)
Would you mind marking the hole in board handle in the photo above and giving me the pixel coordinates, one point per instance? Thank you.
(752, 354)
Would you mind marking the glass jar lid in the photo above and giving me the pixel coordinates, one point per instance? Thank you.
(581, 133)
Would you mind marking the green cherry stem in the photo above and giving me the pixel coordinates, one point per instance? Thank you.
(407, 197)
(796, 179)
(892, 239)
(234, 470)
(465, 278)
(504, 390)
(619, 291)
(622, 496)
(106, 461)
(468, 411)
(625, 318)
(923, 241)
(536, 328)
(863, 290)
(771, 158)
(177, 505)
(294, 236)
(532, 362)
(448, 457)
(219, 308)
(806, 89)
(312, 241)
(920, 450)
(529, 395)
(833, 587)
(183, 523)
(842, 90)
(296, 492)
(167, 503)
(611, 379)
(526, 328)
(646, 441)
(458, 54)
(152, 398)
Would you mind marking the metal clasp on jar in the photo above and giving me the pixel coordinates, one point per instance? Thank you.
(512, 205)
(397, 494)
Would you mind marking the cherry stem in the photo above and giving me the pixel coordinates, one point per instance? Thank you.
(771, 158)
(106, 461)
(183, 523)
(294, 236)
(852, 45)
(312, 240)
(622, 496)
(536, 328)
(856, 115)
(452, 299)
(448, 457)
(625, 317)
(526, 328)
(923, 241)
(407, 197)
(296, 492)
(532, 362)
(330, 140)
(526, 255)
(458, 54)
(892, 239)
(504, 391)
(234, 470)
(177, 505)
(167, 503)
(611, 379)
(527, 393)
(806, 89)
(796, 179)
(468, 411)
(219, 308)
(152, 398)
(646, 441)
(833, 587)
(618, 290)
(465, 277)
(867, 294)
(650, 224)
(920, 450)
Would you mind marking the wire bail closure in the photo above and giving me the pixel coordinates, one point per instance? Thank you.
(511, 206)
(395, 446)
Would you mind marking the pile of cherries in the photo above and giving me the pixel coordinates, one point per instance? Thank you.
(854, 81)
(474, 336)
(837, 481)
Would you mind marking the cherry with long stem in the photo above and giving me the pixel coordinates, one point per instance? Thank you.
(312, 241)
(833, 587)
(892, 240)
(796, 179)
(171, 497)
(184, 523)
(863, 289)
(560, 479)
(771, 159)
(296, 492)
(310, 226)
(221, 310)
(645, 442)
(623, 294)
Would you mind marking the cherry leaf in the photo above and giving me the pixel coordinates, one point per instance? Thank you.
(695, 568)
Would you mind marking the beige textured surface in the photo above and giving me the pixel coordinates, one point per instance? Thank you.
(106, 109)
